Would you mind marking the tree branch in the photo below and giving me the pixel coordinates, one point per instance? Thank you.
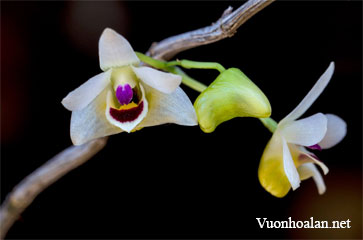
(27, 190)
(226, 26)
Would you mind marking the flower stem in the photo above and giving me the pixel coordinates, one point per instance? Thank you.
(190, 82)
(151, 61)
(183, 63)
(269, 123)
(199, 65)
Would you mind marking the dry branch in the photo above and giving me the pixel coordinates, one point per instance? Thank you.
(226, 26)
(26, 191)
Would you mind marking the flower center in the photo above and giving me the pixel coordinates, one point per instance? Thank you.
(124, 94)
(129, 104)
(126, 105)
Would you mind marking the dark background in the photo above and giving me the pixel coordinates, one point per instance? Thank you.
(173, 181)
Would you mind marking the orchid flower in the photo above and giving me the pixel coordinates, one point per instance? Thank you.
(126, 96)
(286, 161)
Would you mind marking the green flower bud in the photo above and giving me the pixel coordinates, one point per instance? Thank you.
(231, 95)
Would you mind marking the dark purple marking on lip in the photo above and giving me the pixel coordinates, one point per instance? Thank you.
(315, 147)
(127, 115)
(124, 94)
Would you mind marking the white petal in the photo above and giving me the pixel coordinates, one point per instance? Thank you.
(162, 81)
(90, 122)
(308, 170)
(126, 126)
(169, 108)
(307, 131)
(337, 129)
(289, 166)
(311, 96)
(115, 51)
(80, 97)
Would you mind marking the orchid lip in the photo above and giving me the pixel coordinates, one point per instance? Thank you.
(130, 105)
(127, 115)
(124, 94)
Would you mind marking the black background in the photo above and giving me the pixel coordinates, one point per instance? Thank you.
(173, 181)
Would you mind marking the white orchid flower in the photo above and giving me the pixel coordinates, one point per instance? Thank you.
(126, 96)
(286, 161)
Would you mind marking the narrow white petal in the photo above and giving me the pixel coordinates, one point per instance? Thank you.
(169, 108)
(130, 125)
(308, 170)
(162, 81)
(311, 96)
(80, 97)
(115, 51)
(307, 131)
(319, 181)
(90, 122)
(337, 129)
(289, 166)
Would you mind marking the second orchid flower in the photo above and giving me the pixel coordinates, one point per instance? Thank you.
(286, 161)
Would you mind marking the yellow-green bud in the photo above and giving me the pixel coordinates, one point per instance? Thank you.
(231, 95)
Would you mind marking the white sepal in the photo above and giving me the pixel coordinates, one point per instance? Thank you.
(90, 122)
(169, 108)
(115, 51)
(80, 97)
(311, 96)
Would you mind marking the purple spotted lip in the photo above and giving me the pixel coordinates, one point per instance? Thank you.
(124, 95)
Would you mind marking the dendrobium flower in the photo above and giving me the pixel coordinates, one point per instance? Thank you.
(126, 96)
(286, 161)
